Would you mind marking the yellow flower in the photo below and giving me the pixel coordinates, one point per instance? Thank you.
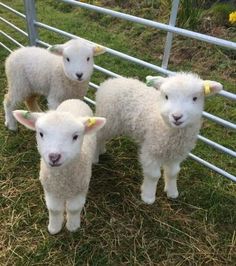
(232, 17)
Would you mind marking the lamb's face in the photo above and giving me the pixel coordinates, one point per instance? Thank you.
(59, 138)
(182, 97)
(78, 62)
(181, 102)
(77, 56)
(59, 134)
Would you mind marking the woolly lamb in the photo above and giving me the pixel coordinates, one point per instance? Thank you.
(67, 150)
(164, 122)
(60, 73)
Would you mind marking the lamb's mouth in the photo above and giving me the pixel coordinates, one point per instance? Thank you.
(55, 164)
(177, 123)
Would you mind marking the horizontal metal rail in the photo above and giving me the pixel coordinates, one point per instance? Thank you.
(213, 167)
(218, 120)
(10, 38)
(228, 95)
(111, 51)
(154, 24)
(107, 72)
(89, 100)
(124, 56)
(13, 10)
(14, 27)
(42, 43)
(7, 48)
(217, 146)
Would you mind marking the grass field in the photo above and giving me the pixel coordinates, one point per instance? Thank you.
(117, 228)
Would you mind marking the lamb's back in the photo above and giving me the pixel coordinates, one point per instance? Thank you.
(34, 65)
(126, 103)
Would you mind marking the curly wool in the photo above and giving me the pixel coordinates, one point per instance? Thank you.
(131, 109)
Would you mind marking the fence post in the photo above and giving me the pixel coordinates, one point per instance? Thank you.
(30, 13)
(168, 44)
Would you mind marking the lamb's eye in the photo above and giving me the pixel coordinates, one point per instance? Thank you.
(194, 99)
(75, 137)
(68, 59)
(88, 58)
(166, 96)
(41, 134)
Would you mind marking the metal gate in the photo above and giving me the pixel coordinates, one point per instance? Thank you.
(32, 34)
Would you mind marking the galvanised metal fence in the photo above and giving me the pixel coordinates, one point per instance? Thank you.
(32, 34)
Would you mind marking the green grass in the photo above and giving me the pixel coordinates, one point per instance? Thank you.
(117, 228)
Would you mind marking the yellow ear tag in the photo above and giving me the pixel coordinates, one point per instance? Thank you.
(98, 49)
(91, 122)
(207, 89)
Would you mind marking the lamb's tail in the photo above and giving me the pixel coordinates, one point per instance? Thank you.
(32, 103)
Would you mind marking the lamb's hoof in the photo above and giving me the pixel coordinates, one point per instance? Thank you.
(172, 194)
(54, 230)
(72, 227)
(147, 199)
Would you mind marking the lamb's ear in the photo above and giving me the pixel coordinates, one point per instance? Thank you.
(98, 49)
(26, 118)
(93, 124)
(211, 87)
(154, 81)
(56, 49)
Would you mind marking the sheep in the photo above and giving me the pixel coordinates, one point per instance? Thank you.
(62, 72)
(164, 121)
(67, 146)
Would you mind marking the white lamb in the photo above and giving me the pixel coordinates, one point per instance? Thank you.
(164, 122)
(60, 73)
(67, 149)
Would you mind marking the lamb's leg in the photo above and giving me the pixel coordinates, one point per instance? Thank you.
(152, 173)
(56, 213)
(171, 171)
(74, 207)
(9, 106)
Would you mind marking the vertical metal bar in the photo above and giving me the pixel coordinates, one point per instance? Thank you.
(168, 44)
(30, 13)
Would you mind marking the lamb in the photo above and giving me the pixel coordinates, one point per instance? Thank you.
(67, 146)
(164, 121)
(60, 73)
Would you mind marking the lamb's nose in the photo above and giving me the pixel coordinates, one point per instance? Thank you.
(54, 157)
(79, 75)
(177, 117)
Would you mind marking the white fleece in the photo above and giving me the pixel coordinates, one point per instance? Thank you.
(60, 73)
(148, 115)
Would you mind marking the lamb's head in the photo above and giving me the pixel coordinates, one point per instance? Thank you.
(59, 134)
(182, 97)
(77, 58)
